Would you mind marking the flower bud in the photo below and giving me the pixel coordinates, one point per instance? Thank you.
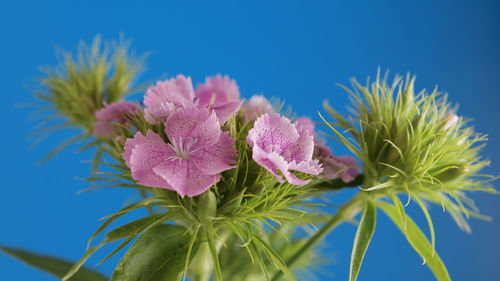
(207, 206)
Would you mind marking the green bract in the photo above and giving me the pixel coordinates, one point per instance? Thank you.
(411, 144)
(73, 91)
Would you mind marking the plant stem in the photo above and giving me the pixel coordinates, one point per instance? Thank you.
(346, 212)
(144, 195)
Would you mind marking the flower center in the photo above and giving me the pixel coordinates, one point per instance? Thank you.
(183, 151)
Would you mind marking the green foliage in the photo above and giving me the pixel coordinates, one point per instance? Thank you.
(54, 266)
(363, 237)
(417, 240)
(412, 143)
(74, 90)
(158, 255)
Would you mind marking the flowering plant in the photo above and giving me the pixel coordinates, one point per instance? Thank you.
(230, 183)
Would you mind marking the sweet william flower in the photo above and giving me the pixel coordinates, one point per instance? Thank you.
(117, 112)
(279, 145)
(165, 97)
(256, 106)
(193, 160)
(220, 94)
(343, 167)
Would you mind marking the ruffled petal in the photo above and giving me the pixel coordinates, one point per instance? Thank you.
(272, 133)
(117, 111)
(305, 124)
(216, 158)
(162, 99)
(343, 167)
(302, 149)
(217, 91)
(139, 138)
(271, 162)
(142, 154)
(193, 127)
(225, 111)
(280, 163)
(255, 107)
(311, 167)
(184, 177)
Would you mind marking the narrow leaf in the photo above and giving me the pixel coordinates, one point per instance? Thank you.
(418, 241)
(54, 266)
(363, 237)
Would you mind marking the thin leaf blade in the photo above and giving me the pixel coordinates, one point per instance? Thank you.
(418, 241)
(363, 237)
(54, 266)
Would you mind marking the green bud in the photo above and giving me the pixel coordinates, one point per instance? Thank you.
(207, 206)
(451, 173)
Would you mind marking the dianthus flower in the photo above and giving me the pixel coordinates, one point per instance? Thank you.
(256, 106)
(117, 112)
(221, 94)
(280, 145)
(165, 97)
(197, 152)
(343, 167)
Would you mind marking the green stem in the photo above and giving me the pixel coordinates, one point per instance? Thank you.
(346, 212)
(144, 195)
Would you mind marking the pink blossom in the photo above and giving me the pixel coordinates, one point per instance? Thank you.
(165, 97)
(256, 106)
(221, 94)
(307, 124)
(193, 160)
(343, 167)
(113, 112)
(279, 145)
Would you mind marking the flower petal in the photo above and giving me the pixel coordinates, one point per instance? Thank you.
(116, 111)
(306, 124)
(142, 154)
(256, 106)
(217, 91)
(185, 178)
(302, 149)
(343, 167)
(225, 111)
(191, 125)
(162, 99)
(311, 167)
(216, 158)
(272, 133)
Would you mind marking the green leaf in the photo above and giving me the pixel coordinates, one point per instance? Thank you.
(129, 229)
(418, 241)
(158, 255)
(362, 240)
(53, 266)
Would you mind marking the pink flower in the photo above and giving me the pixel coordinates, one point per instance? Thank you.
(221, 94)
(162, 99)
(193, 160)
(306, 124)
(256, 106)
(117, 112)
(343, 167)
(279, 145)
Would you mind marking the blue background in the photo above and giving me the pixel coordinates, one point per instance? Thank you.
(293, 50)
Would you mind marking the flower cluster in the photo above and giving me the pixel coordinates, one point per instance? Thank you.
(191, 151)
(218, 93)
